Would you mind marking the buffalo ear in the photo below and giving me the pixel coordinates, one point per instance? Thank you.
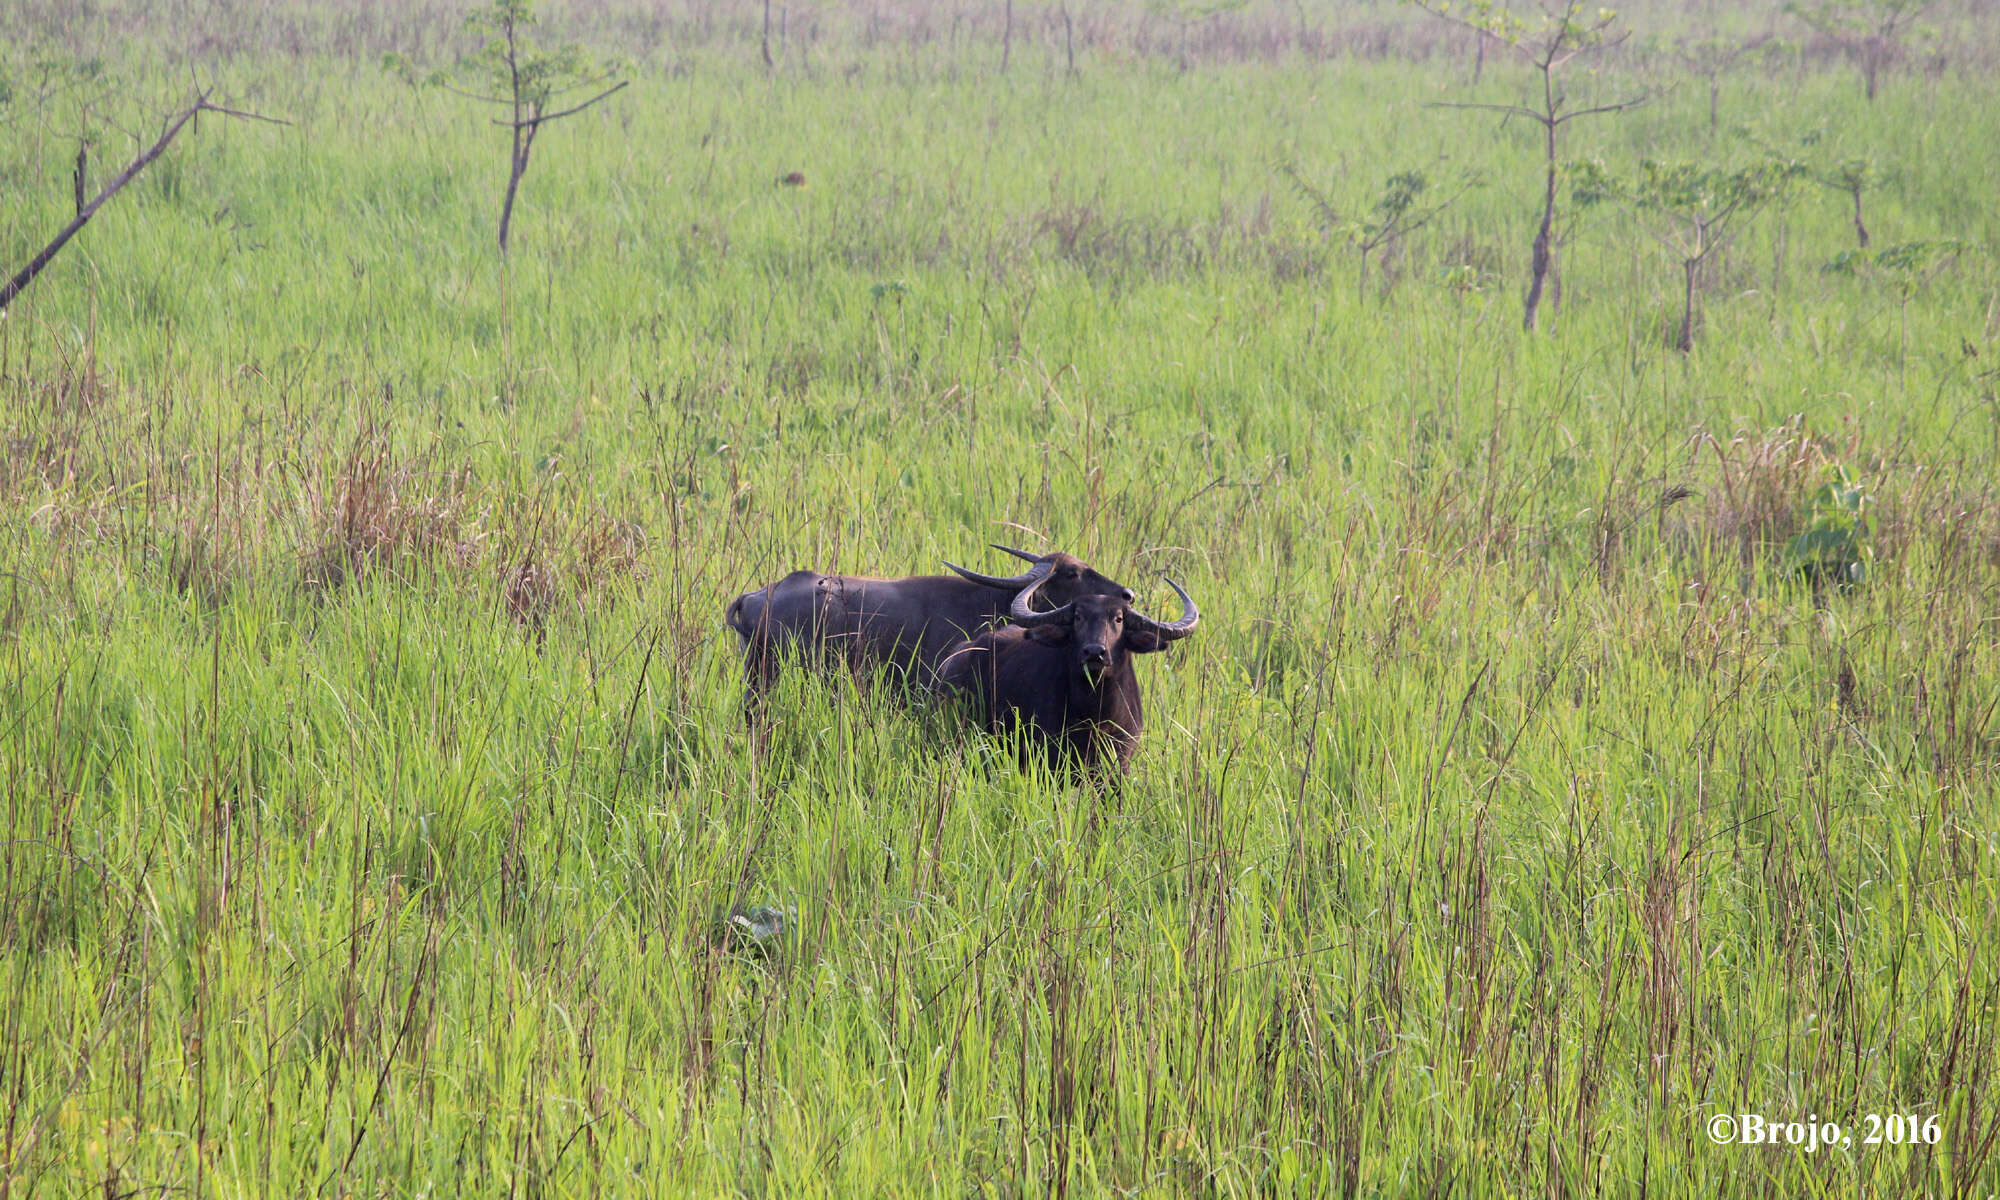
(1050, 635)
(1144, 641)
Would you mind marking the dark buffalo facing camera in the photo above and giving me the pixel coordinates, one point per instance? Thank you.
(1063, 680)
(913, 622)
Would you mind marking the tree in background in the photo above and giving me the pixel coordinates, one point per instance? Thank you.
(1851, 178)
(1184, 15)
(1548, 44)
(1694, 210)
(1906, 266)
(1871, 31)
(1714, 57)
(1408, 203)
(529, 79)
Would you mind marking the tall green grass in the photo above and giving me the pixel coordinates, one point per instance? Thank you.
(376, 790)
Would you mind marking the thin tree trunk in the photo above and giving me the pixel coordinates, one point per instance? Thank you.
(81, 176)
(1860, 229)
(1686, 342)
(1007, 39)
(507, 204)
(1903, 351)
(765, 44)
(1544, 237)
(524, 144)
(1780, 243)
(1069, 39)
(517, 160)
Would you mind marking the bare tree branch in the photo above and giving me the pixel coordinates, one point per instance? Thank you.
(247, 116)
(27, 274)
(1620, 106)
(581, 84)
(459, 91)
(1512, 110)
(1437, 210)
(545, 118)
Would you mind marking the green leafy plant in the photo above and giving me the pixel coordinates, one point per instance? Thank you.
(1695, 210)
(1400, 210)
(1911, 263)
(1837, 543)
(1906, 266)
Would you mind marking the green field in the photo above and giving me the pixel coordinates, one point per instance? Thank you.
(375, 781)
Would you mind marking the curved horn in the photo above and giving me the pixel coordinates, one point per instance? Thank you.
(1009, 582)
(1022, 611)
(1020, 554)
(1167, 632)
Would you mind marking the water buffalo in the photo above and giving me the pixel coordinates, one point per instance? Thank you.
(911, 622)
(1063, 680)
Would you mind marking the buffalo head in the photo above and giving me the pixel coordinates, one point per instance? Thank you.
(1099, 631)
(1060, 578)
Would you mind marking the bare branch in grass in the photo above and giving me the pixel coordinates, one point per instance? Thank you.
(85, 211)
(567, 112)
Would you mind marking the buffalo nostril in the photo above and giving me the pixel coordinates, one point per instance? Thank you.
(1130, 595)
(1095, 654)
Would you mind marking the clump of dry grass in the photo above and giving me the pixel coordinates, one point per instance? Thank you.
(577, 560)
(1754, 492)
(52, 420)
(379, 512)
(90, 465)
(530, 593)
(1752, 489)
(1960, 521)
(200, 566)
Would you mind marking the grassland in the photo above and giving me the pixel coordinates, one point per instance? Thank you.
(374, 778)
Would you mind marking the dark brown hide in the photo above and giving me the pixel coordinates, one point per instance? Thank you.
(1066, 685)
(859, 620)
